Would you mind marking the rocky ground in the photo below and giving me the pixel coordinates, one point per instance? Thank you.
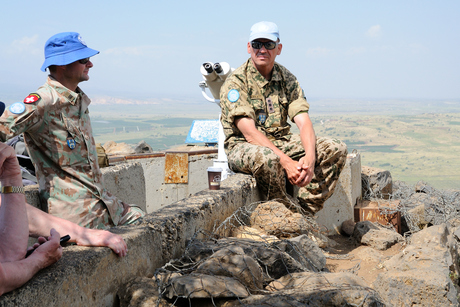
(269, 255)
(364, 261)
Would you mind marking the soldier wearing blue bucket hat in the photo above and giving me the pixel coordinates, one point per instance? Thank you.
(57, 130)
(65, 48)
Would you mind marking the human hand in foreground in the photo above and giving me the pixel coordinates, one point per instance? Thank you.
(10, 172)
(103, 238)
(47, 250)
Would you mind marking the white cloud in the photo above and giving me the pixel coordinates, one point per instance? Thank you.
(318, 51)
(25, 44)
(374, 31)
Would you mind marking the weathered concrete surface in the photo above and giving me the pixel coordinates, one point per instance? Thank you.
(159, 193)
(339, 207)
(141, 181)
(32, 196)
(127, 182)
(91, 276)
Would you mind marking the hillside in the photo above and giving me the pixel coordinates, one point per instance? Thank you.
(413, 140)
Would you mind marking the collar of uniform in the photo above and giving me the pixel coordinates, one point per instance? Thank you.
(61, 89)
(276, 76)
(256, 75)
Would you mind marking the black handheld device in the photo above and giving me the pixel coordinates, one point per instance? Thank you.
(62, 241)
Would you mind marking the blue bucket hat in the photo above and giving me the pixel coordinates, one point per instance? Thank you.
(2, 108)
(264, 29)
(65, 48)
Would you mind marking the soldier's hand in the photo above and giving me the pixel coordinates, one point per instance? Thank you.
(293, 173)
(306, 169)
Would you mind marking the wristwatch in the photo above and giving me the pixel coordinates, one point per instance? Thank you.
(12, 189)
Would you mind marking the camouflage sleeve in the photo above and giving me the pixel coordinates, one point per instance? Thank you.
(296, 96)
(234, 102)
(17, 119)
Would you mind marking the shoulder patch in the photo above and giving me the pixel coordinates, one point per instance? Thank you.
(32, 98)
(233, 95)
(17, 108)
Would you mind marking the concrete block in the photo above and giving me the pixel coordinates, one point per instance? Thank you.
(127, 182)
(91, 276)
(159, 194)
(339, 207)
(33, 197)
(141, 181)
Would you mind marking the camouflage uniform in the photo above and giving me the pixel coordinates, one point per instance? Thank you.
(246, 93)
(57, 131)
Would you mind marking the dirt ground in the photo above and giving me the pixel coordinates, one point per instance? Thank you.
(349, 256)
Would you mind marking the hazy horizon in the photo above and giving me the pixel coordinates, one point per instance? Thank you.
(337, 49)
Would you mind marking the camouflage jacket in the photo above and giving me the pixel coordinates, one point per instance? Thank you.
(246, 93)
(57, 130)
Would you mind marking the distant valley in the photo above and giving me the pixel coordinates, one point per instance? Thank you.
(414, 140)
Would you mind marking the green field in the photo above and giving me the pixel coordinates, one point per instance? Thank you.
(161, 126)
(413, 147)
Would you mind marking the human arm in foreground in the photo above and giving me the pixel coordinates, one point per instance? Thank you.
(15, 269)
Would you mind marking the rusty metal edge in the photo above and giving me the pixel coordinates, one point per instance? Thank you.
(115, 159)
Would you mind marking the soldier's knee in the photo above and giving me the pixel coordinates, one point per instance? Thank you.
(271, 165)
(342, 149)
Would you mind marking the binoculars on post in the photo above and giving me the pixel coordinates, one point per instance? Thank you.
(214, 76)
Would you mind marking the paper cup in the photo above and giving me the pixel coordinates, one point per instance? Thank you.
(214, 177)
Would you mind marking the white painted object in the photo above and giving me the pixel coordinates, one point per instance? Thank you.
(340, 206)
(214, 76)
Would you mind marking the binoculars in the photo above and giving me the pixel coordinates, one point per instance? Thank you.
(214, 76)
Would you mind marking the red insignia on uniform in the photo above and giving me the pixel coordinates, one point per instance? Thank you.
(32, 98)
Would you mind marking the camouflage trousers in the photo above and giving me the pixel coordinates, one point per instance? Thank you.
(94, 213)
(265, 166)
(100, 218)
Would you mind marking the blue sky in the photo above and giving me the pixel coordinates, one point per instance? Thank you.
(154, 49)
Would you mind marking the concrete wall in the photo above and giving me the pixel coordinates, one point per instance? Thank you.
(339, 207)
(91, 276)
(159, 193)
(141, 181)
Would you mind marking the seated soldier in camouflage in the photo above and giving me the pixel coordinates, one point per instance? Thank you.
(256, 101)
(57, 130)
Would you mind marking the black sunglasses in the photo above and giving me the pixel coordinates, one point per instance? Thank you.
(268, 45)
(83, 61)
